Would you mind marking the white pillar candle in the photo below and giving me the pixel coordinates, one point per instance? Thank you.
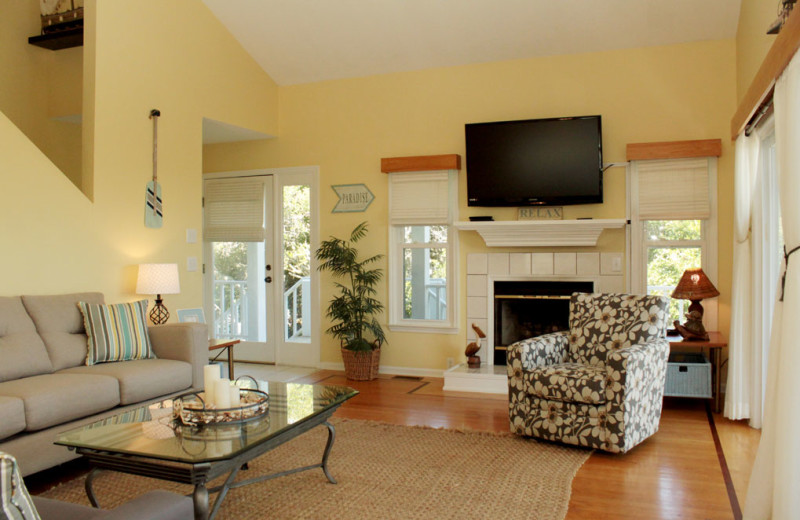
(222, 394)
(234, 396)
(210, 375)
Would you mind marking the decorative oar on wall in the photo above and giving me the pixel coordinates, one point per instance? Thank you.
(153, 216)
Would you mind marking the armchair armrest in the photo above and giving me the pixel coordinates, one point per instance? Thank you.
(635, 378)
(548, 349)
(530, 353)
(161, 505)
(637, 365)
(183, 342)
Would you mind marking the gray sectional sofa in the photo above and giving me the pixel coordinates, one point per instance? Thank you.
(46, 388)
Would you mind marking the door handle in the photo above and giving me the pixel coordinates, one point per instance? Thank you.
(268, 279)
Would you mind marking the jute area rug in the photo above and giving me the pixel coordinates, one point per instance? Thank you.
(386, 471)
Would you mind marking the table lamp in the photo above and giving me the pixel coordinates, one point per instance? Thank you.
(695, 286)
(158, 279)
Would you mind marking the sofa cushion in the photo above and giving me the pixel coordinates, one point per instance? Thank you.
(57, 398)
(142, 379)
(12, 416)
(568, 382)
(117, 332)
(21, 349)
(60, 323)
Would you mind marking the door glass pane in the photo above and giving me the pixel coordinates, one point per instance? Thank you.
(425, 283)
(297, 262)
(665, 266)
(672, 230)
(239, 298)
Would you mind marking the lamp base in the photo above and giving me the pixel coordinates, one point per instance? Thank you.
(159, 315)
(695, 306)
(691, 330)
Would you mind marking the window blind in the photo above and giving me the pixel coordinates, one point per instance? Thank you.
(234, 210)
(674, 190)
(419, 198)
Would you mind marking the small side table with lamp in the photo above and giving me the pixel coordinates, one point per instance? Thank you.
(695, 286)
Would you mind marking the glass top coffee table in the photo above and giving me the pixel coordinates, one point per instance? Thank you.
(147, 441)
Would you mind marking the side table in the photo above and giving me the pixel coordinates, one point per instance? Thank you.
(716, 342)
(227, 344)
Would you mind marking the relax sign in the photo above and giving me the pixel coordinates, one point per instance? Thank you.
(538, 213)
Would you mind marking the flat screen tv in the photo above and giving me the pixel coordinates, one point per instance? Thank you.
(555, 161)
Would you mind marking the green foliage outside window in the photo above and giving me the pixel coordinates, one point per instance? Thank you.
(665, 263)
(230, 261)
(296, 234)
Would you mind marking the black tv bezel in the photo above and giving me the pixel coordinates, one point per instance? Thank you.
(540, 201)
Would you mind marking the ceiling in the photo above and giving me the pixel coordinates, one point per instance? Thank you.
(303, 41)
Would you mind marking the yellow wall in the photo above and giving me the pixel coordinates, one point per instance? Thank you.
(752, 40)
(174, 56)
(345, 126)
(38, 84)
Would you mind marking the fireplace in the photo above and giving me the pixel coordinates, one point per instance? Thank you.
(524, 309)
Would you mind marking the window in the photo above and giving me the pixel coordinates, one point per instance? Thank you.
(422, 255)
(673, 228)
(296, 247)
(671, 247)
(424, 272)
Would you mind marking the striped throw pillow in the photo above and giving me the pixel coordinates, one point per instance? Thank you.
(15, 501)
(116, 332)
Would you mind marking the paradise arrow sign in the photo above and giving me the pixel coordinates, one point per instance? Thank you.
(353, 198)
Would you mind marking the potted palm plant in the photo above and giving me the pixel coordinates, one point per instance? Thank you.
(354, 308)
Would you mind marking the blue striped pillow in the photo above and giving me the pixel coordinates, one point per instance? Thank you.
(116, 332)
(15, 501)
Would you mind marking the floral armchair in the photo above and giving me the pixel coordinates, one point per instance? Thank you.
(601, 383)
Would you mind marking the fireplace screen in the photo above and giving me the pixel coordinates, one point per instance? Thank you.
(527, 309)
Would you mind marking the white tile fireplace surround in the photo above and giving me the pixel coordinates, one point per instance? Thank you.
(604, 270)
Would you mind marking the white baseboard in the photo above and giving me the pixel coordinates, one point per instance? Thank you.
(395, 371)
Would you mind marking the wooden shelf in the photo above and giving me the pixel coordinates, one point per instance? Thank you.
(59, 40)
(541, 233)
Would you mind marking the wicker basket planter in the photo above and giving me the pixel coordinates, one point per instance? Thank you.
(361, 365)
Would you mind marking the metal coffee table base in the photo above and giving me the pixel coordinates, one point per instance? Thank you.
(200, 474)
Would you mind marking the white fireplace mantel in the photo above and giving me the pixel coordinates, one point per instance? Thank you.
(541, 233)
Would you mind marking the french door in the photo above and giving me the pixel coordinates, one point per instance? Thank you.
(238, 269)
(261, 286)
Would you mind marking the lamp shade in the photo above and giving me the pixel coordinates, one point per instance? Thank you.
(694, 285)
(158, 279)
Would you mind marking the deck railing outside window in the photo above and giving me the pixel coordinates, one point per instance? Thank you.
(230, 309)
(296, 308)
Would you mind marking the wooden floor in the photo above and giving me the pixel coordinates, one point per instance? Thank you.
(674, 474)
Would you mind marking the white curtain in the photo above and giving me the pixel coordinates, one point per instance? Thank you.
(739, 396)
(775, 480)
(765, 270)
